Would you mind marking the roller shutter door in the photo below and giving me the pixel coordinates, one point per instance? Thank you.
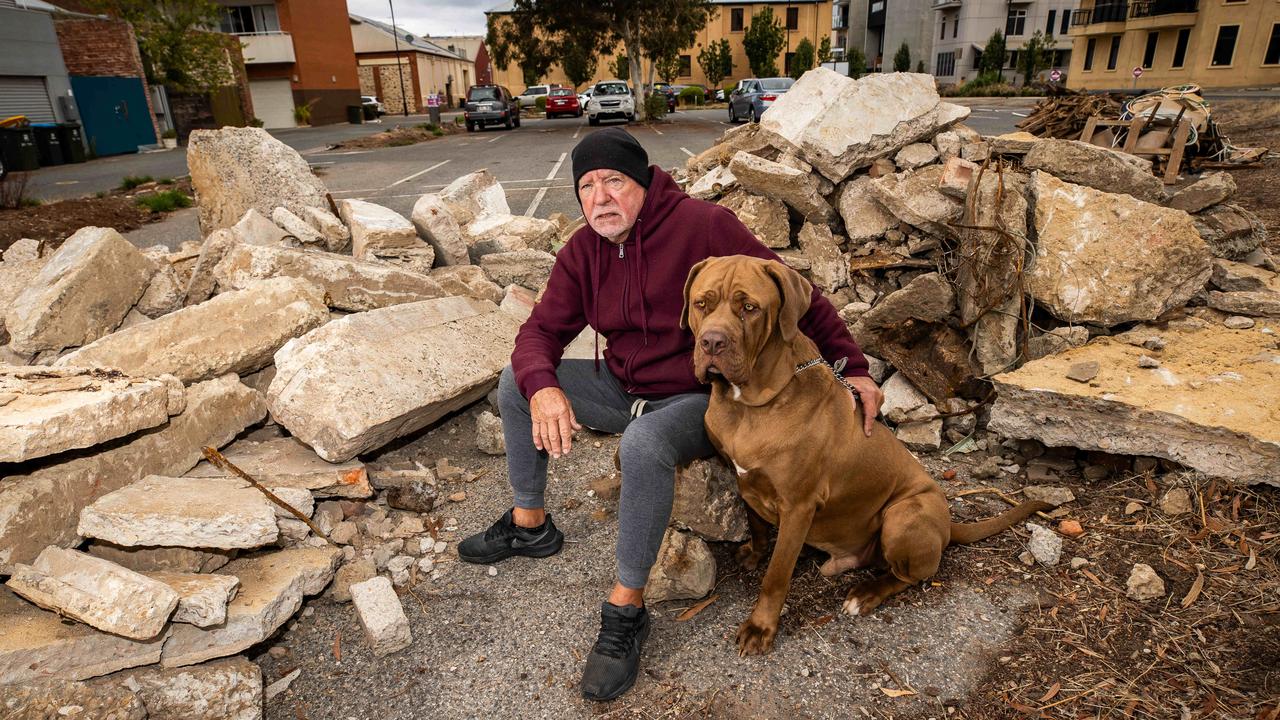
(273, 102)
(25, 96)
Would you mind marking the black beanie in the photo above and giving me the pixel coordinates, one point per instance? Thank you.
(611, 149)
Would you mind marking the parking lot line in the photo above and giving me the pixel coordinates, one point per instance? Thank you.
(420, 172)
(496, 139)
(686, 151)
(551, 175)
(575, 133)
(537, 200)
(655, 130)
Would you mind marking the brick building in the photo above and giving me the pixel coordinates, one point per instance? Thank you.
(101, 47)
(424, 66)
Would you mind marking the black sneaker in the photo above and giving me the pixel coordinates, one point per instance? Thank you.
(504, 539)
(614, 662)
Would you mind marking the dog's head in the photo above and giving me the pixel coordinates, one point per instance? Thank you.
(735, 306)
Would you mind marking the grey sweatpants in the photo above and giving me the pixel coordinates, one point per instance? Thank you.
(657, 435)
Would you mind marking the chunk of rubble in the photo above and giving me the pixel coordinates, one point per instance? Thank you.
(337, 236)
(1056, 340)
(475, 195)
(202, 599)
(865, 219)
(60, 698)
(95, 592)
(827, 266)
(221, 513)
(707, 502)
(307, 236)
(15, 275)
(44, 410)
(365, 379)
(348, 284)
(164, 294)
(287, 463)
(508, 233)
(1209, 190)
(258, 229)
(1107, 258)
(900, 398)
(528, 268)
(1230, 231)
(1110, 171)
(468, 280)
(718, 181)
(988, 278)
(161, 559)
(271, 590)
(796, 188)
(41, 507)
(1255, 303)
(202, 283)
(374, 226)
(928, 298)
(765, 217)
(915, 155)
(1231, 276)
(437, 225)
(839, 124)
(1143, 583)
(228, 689)
(684, 570)
(80, 294)
(914, 198)
(381, 615)
(1214, 416)
(234, 332)
(489, 437)
(235, 169)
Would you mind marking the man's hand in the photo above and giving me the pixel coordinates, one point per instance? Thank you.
(871, 398)
(553, 421)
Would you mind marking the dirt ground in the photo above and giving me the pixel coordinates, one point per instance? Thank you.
(1256, 123)
(398, 137)
(56, 221)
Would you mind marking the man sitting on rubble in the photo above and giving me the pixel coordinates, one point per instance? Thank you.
(623, 274)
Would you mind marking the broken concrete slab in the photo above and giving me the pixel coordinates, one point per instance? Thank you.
(223, 513)
(685, 569)
(839, 124)
(235, 332)
(828, 268)
(61, 698)
(1107, 258)
(286, 462)
(45, 410)
(258, 229)
(475, 195)
(235, 169)
(1230, 231)
(437, 225)
(990, 263)
(202, 599)
(96, 592)
(337, 236)
(508, 233)
(468, 280)
(202, 283)
(527, 268)
(228, 689)
(80, 294)
(164, 294)
(382, 616)
(1110, 171)
(1210, 406)
(374, 226)
(306, 235)
(765, 217)
(39, 645)
(41, 507)
(349, 284)
(913, 197)
(928, 298)
(1231, 276)
(707, 502)
(271, 590)
(161, 559)
(865, 219)
(796, 188)
(363, 380)
(915, 155)
(1209, 190)
(1255, 303)
(15, 275)
(900, 398)
(718, 181)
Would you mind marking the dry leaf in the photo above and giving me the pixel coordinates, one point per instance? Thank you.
(1244, 545)
(1151, 486)
(1102, 614)
(1053, 690)
(823, 620)
(1194, 592)
(337, 647)
(896, 693)
(1253, 560)
(688, 614)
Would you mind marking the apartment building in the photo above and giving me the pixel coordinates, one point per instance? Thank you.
(799, 18)
(298, 53)
(1211, 43)
(400, 67)
(961, 29)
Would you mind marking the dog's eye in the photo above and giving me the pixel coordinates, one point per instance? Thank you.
(748, 307)
(700, 304)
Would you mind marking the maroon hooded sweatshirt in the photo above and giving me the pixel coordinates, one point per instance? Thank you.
(633, 294)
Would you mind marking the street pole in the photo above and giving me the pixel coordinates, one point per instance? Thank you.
(395, 35)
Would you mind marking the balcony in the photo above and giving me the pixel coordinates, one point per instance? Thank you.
(944, 4)
(1101, 19)
(1152, 14)
(265, 48)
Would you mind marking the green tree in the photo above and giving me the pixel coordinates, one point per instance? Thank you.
(992, 66)
(857, 63)
(176, 49)
(621, 67)
(1036, 55)
(802, 60)
(920, 67)
(507, 44)
(902, 58)
(578, 62)
(763, 40)
(716, 61)
(824, 50)
(667, 67)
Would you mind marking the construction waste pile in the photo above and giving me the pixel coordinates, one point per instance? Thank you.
(1006, 289)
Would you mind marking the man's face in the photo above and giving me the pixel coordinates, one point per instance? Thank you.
(611, 202)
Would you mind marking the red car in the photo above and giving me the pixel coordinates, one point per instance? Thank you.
(563, 101)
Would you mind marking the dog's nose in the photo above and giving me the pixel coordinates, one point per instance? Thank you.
(712, 342)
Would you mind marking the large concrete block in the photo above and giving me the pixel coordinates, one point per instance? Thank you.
(228, 689)
(865, 219)
(82, 293)
(374, 226)
(234, 332)
(202, 598)
(288, 463)
(437, 225)
(361, 381)
(225, 513)
(474, 195)
(913, 197)
(765, 217)
(1100, 168)
(41, 506)
(381, 615)
(796, 188)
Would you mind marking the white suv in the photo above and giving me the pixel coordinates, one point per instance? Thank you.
(611, 99)
(530, 96)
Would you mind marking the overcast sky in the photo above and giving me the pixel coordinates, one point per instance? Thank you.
(429, 17)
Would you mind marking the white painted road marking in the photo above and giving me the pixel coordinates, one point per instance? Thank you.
(496, 139)
(655, 129)
(552, 175)
(420, 172)
(686, 151)
(537, 200)
(575, 133)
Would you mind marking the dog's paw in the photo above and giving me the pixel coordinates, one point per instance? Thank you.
(755, 638)
(861, 601)
(747, 556)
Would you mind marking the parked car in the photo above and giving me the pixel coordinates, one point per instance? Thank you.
(490, 105)
(584, 97)
(752, 97)
(563, 101)
(371, 102)
(669, 91)
(611, 99)
(530, 96)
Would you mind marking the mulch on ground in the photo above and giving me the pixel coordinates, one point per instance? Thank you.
(56, 221)
(1255, 123)
(399, 137)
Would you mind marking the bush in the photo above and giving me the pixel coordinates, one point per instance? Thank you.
(132, 181)
(169, 134)
(302, 114)
(692, 96)
(13, 190)
(991, 86)
(541, 103)
(165, 201)
(655, 106)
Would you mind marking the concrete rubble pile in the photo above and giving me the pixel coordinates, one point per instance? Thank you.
(976, 268)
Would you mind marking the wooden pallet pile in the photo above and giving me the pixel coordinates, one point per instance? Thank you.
(1064, 114)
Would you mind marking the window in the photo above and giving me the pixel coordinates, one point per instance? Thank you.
(1180, 49)
(1273, 47)
(955, 28)
(1088, 54)
(1114, 56)
(945, 66)
(1066, 22)
(735, 20)
(250, 19)
(1149, 55)
(943, 35)
(1016, 23)
(686, 67)
(1048, 27)
(1224, 49)
(793, 18)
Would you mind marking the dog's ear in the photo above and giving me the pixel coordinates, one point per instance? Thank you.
(688, 284)
(795, 292)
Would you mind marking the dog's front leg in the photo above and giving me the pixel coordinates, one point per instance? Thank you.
(755, 636)
(752, 551)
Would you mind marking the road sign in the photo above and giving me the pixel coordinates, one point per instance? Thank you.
(1137, 72)
(1055, 76)
(433, 100)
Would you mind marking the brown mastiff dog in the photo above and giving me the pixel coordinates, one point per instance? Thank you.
(795, 439)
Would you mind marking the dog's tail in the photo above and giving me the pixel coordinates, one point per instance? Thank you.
(965, 533)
